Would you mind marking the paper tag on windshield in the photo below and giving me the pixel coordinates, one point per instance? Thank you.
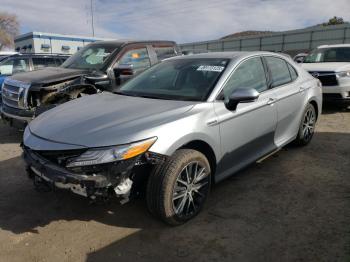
(210, 68)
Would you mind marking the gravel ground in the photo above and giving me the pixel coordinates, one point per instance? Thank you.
(294, 206)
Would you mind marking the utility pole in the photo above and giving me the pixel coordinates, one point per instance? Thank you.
(92, 19)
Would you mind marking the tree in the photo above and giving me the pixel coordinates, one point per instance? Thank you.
(334, 21)
(9, 28)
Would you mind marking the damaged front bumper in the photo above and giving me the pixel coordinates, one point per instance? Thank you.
(117, 179)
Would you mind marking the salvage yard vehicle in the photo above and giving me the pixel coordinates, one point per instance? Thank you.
(331, 65)
(175, 129)
(102, 65)
(5, 54)
(299, 58)
(18, 63)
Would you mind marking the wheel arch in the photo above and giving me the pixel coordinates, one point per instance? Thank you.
(205, 149)
(315, 105)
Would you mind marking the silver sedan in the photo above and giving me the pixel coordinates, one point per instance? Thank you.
(175, 130)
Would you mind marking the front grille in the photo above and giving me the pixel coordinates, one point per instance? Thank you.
(332, 96)
(59, 157)
(327, 78)
(14, 93)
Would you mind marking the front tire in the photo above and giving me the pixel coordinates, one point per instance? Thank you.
(178, 188)
(307, 126)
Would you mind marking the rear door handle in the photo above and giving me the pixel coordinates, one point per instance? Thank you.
(271, 101)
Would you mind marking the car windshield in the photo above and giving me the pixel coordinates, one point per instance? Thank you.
(323, 55)
(90, 57)
(180, 79)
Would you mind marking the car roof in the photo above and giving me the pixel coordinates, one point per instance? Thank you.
(127, 42)
(337, 45)
(39, 55)
(227, 55)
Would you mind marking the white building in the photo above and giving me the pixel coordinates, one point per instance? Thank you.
(38, 42)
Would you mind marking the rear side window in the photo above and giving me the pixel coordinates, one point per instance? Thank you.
(279, 71)
(41, 62)
(138, 58)
(293, 72)
(164, 52)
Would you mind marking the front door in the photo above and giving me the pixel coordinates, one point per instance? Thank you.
(248, 132)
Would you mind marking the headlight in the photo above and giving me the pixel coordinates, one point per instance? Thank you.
(344, 74)
(110, 154)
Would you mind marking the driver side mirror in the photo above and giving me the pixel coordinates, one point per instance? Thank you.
(243, 95)
(123, 73)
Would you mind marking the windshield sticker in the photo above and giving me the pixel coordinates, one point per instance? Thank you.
(210, 68)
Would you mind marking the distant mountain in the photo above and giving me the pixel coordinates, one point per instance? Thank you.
(247, 33)
(262, 33)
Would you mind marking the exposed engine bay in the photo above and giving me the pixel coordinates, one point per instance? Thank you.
(50, 95)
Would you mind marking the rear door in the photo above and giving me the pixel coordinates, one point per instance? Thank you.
(288, 98)
(248, 132)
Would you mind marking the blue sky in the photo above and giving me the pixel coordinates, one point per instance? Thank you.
(179, 20)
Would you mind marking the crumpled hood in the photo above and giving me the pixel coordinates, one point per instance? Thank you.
(335, 66)
(48, 75)
(106, 119)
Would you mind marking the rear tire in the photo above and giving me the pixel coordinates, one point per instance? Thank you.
(178, 188)
(307, 126)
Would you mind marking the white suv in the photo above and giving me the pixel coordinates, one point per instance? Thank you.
(331, 65)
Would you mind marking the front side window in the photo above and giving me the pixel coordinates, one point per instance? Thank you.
(137, 58)
(279, 71)
(12, 66)
(249, 74)
(180, 79)
(332, 54)
(90, 57)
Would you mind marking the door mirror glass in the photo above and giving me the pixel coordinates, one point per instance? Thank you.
(241, 95)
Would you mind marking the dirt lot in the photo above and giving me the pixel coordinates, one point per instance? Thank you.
(294, 206)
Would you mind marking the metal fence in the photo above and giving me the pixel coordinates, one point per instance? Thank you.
(291, 42)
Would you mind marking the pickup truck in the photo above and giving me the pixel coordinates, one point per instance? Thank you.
(99, 66)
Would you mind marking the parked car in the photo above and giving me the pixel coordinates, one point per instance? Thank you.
(331, 65)
(102, 65)
(299, 58)
(17, 63)
(5, 54)
(180, 126)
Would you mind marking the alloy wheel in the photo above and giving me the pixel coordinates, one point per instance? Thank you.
(190, 190)
(309, 124)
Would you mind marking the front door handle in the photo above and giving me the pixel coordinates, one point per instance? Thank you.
(271, 101)
(302, 89)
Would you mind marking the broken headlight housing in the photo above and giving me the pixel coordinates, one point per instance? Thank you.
(105, 155)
